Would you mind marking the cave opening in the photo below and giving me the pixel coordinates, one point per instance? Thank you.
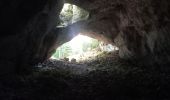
(139, 70)
(81, 48)
(70, 14)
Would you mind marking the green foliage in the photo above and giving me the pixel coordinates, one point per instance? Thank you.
(94, 44)
(66, 50)
(66, 14)
(63, 51)
(71, 14)
(79, 14)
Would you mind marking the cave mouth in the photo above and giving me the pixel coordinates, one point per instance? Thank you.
(138, 71)
(70, 14)
(82, 48)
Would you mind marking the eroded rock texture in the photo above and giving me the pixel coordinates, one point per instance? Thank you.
(140, 28)
(26, 28)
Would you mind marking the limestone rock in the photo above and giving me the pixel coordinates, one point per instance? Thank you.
(139, 28)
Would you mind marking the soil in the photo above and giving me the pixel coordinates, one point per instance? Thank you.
(103, 77)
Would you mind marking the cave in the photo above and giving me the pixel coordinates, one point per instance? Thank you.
(32, 30)
(81, 48)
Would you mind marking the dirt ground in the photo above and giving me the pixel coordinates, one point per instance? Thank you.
(103, 77)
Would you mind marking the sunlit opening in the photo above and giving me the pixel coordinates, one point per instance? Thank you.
(81, 48)
(71, 14)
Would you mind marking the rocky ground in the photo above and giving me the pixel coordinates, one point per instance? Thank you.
(104, 77)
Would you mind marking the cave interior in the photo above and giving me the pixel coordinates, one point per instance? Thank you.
(31, 30)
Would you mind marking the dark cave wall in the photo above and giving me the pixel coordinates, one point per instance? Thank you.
(25, 31)
(139, 28)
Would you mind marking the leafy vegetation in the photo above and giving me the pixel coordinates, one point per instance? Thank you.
(88, 46)
(71, 13)
(69, 48)
(63, 51)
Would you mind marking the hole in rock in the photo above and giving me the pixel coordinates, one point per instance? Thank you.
(82, 48)
(71, 14)
(140, 70)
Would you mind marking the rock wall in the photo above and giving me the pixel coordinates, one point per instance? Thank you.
(26, 36)
(140, 28)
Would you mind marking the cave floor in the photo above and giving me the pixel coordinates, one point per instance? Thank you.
(106, 77)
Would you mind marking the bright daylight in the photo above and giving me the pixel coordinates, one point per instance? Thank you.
(85, 50)
(81, 48)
